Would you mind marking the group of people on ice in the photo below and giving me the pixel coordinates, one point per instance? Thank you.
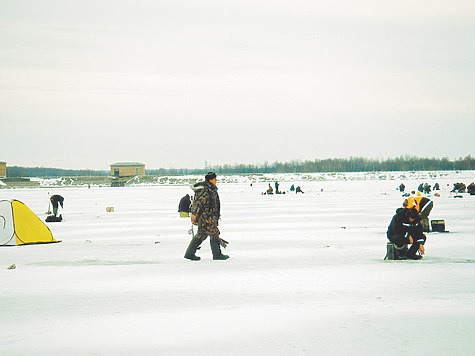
(405, 231)
(423, 187)
(426, 187)
(459, 187)
(462, 188)
(270, 190)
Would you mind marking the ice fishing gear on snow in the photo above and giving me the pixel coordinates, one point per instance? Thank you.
(394, 252)
(438, 225)
(54, 218)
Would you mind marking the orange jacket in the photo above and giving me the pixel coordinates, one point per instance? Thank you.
(415, 202)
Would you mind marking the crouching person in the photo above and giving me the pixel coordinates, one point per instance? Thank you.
(205, 212)
(56, 200)
(184, 207)
(405, 228)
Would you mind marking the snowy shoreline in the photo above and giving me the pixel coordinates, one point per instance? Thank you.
(35, 182)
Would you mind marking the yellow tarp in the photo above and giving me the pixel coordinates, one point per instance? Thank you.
(29, 229)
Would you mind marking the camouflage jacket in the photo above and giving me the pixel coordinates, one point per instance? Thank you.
(206, 205)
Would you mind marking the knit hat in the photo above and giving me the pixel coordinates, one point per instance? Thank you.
(210, 175)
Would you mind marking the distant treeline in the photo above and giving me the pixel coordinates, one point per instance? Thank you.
(352, 164)
(355, 164)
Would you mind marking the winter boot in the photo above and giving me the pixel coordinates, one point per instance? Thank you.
(400, 252)
(411, 253)
(191, 250)
(216, 250)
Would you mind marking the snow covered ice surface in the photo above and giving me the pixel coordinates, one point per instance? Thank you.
(306, 274)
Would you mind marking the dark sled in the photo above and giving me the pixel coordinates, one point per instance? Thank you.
(52, 218)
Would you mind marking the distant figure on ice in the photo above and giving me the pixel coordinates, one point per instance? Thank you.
(436, 186)
(205, 212)
(405, 228)
(184, 207)
(298, 190)
(56, 200)
(276, 187)
(270, 190)
(423, 206)
(471, 188)
(459, 188)
(427, 188)
(421, 187)
(292, 188)
(402, 187)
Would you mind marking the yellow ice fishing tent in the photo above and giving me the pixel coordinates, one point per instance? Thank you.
(20, 226)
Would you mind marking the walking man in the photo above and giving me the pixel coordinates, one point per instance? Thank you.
(205, 212)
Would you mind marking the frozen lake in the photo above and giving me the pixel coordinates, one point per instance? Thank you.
(306, 274)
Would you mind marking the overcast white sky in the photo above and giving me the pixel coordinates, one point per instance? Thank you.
(172, 83)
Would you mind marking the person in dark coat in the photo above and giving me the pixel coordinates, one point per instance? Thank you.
(405, 228)
(471, 188)
(421, 188)
(426, 188)
(56, 200)
(402, 187)
(184, 207)
(205, 212)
